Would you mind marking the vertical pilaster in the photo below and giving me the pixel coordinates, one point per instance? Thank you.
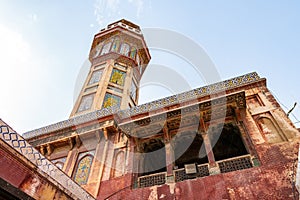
(102, 164)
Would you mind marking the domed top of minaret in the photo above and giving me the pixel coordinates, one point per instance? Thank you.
(119, 56)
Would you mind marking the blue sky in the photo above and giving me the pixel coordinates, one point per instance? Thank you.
(43, 45)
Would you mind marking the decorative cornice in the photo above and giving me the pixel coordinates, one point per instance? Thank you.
(151, 106)
(222, 105)
(59, 178)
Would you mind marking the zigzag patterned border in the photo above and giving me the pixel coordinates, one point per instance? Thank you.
(17, 142)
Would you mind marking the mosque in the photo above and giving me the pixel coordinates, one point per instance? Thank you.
(226, 140)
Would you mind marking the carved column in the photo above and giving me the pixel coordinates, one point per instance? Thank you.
(208, 148)
(213, 167)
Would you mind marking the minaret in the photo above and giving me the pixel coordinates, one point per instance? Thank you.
(118, 57)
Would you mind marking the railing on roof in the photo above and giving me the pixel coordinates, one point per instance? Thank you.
(123, 25)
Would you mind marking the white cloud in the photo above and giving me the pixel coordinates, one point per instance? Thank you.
(19, 72)
(139, 4)
(14, 49)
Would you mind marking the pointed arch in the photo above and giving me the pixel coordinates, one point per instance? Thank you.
(125, 49)
(82, 170)
(116, 44)
(133, 52)
(269, 130)
(119, 164)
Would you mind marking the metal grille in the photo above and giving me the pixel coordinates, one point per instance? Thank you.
(203, 170)
(180, 174)
(235, 164)
(153, 179)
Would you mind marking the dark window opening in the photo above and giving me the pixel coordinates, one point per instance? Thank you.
(189, 149)
(154, 157)
(229, 144)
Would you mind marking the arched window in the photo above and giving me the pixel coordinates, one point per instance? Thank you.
(83, 169)
(97, 50)
(116, 45)
(124, 49)
(106, 48)
(133, 53)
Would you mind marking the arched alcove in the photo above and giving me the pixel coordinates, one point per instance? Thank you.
(116, 45)
(82, 169)
(119, 164)
(269, 130)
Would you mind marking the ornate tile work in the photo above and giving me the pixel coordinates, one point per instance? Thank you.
(192, 94)
(18, 143)
(117, 77)
(133, 52)
(111, 100)
(83, 168)
(196, 93)
(116, 45)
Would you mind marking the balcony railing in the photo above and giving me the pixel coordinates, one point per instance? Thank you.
(234, 164)
(152, 179)
(180, 175)
(227, 165)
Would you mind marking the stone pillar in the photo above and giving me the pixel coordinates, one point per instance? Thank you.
(169, 158)
(212, 165)
(208, 148)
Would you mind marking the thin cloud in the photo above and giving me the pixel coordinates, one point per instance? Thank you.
(104, 10)
(139, 4)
